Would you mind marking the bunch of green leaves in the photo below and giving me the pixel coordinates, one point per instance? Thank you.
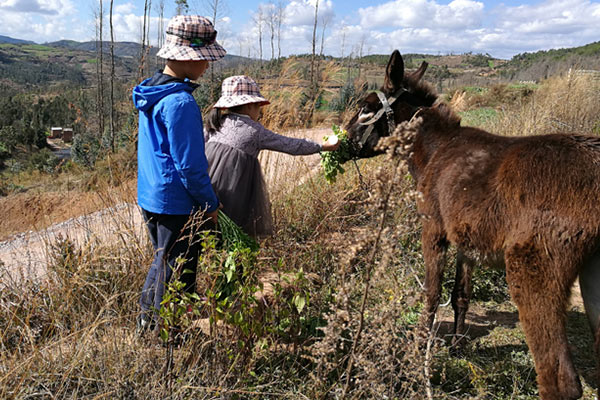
(233, 236)
(332, 161)
(237, 280)
(233, 295)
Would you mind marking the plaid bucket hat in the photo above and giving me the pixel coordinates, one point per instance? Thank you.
(191, 37)
(238, 90)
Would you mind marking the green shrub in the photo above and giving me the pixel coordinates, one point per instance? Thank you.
(85, 149)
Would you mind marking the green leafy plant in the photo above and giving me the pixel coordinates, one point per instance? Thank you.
(332, 161)
(178, 309)
(233, 236)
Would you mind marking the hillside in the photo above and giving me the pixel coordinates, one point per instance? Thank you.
(122, 49)
(74, 62)
(29, 66)
(26, 66)
(469, 69)
(545, 63)
(6, 39)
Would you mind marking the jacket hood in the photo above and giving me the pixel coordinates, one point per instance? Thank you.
(145, 95)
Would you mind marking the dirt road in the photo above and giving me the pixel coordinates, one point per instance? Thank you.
(27, 254)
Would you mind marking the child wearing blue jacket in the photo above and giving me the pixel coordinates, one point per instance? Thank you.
(174, 189)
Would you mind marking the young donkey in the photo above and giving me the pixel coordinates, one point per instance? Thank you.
(528, 201)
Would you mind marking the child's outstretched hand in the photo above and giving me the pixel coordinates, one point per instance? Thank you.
(331, 144)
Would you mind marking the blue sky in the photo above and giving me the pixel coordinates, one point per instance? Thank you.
(500, 28)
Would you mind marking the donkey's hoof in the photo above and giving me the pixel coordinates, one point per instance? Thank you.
(458, 345)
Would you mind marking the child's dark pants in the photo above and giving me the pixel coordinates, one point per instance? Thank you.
(172, 236)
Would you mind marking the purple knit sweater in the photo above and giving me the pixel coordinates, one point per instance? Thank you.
(241, 132)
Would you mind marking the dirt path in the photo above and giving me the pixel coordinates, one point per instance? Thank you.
(69, 216)
(27, 254)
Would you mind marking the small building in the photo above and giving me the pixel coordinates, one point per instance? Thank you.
(67, 135)
(56, 132)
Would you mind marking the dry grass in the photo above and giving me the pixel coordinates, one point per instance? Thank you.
(291, 106)
(563, 104)
(568, 104)
(357, 337)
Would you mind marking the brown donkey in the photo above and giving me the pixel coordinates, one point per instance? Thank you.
(401, 95)
(530, 202)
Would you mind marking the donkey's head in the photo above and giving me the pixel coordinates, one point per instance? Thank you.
(379, 112)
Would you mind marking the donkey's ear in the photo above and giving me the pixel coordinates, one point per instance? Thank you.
(418, 74)
(394, 73)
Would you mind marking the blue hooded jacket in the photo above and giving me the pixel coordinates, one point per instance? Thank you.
(172, 168)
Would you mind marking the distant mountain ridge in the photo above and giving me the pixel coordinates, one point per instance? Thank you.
(8, 39)
(73, 61)
(122, 49)
(25, 64)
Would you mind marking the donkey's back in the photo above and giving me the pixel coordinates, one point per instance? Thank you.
(490, 190)
(531, 200)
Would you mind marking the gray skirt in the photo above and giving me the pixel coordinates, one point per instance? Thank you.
(238, 182)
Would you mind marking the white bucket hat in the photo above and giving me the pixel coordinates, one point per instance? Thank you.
(238, 90)
(191, 37)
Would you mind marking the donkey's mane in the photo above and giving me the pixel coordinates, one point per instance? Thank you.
(440, 118)
(420, 88)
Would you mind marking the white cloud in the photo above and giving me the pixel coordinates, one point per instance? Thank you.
(299, 13)
(422, 13)
(126, 8)
(466, 25)
(550, 17)
(41, 7)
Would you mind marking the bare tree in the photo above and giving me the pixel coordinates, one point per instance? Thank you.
(324, 22)
(145, 40)
(216, 9)
(258, 20)
(314, 45)
(161, 29)
(99, 68)
(279, 21)
(148, 33)
(112, 79)
(182, 7)
(314, 70)
(343, 40)
(271, 19)
(361, 45)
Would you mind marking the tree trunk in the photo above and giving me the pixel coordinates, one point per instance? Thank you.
(280, 16)
(314, 44)
(100, 71)
(142, 61)
(272, 18)
(324, 22)
(112, 79)
(313, 74)
(161, 31)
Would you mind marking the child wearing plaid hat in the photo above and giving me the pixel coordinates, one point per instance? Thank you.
(174, 189)
(233, 140)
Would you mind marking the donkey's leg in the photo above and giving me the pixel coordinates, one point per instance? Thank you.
(541, 292)
(589, 278)
(461, 296)
(434, 244)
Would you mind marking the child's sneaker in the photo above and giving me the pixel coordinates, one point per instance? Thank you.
(144, 324)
